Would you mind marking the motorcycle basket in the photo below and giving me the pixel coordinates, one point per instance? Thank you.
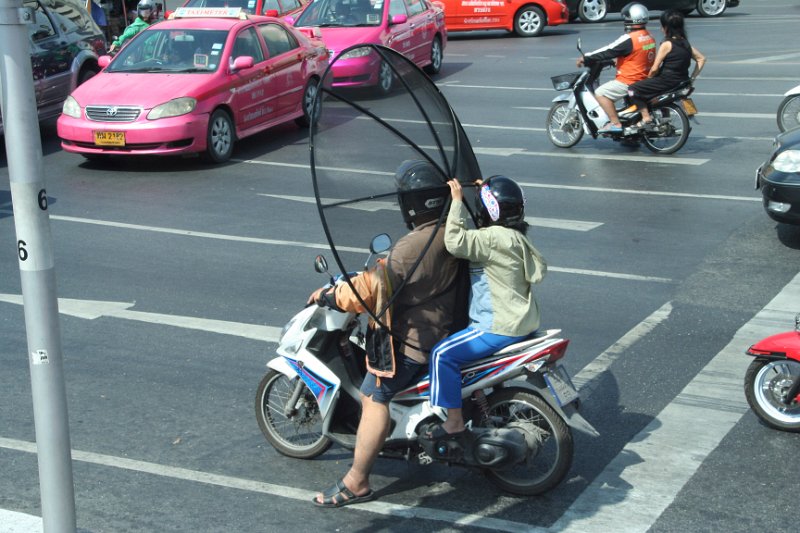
(565, 81)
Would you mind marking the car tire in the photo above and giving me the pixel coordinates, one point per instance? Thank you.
(385, 79)
(711, 8)
(309, 99)
(220, 137)
(592, 10)
(529, 21)
(436, 57)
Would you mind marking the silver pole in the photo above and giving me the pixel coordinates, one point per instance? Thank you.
(37, 271)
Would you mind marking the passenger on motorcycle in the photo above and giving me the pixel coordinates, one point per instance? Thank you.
(503, 309)
(671, 67)
(144, 16)
(421, 315)
(634, 52)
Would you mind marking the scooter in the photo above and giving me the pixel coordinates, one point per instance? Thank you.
(772, 381)
(789, 110)
(576, 111)
(519, 403)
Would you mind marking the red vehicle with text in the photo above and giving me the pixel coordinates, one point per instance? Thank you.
(526, 18)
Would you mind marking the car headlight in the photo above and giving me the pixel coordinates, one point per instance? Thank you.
(358, 52)
(71, 108)
(787, 161)
(173, 108)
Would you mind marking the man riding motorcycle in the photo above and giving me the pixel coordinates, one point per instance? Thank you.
(421, 314)
(635, 52)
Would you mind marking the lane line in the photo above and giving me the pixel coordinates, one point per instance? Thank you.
(643, 480)
(305, 496)
(643, 193)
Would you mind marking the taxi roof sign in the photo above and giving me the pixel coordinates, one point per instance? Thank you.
(211, 12)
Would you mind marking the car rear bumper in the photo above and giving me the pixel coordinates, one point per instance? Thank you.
(169, 136)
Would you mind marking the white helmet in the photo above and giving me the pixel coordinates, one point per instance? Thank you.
(635, 16)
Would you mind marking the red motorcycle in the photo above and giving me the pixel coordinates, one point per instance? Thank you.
(772, 381)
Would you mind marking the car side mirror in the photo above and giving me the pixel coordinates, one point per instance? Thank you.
(399, 19)
(242, 62)
(103, 61)
(271, 13)
(289, 21)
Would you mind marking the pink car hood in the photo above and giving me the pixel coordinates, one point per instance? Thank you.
(140, 89)
(337, 39)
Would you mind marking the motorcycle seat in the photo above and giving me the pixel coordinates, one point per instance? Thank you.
(537, 338)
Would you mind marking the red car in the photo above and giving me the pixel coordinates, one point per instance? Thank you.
(526, 18)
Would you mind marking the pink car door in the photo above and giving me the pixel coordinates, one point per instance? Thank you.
(284, 67)
(253, 101)
(421, 19)
(401, 36)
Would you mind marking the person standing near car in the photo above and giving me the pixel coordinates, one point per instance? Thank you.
(671, 67)
(144, 17)
(635, 52)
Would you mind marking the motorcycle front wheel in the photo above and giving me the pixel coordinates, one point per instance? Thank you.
(765, 386)
(548, 436)
(789, 113)
(298, 434)
(671, 130)
(564, 125)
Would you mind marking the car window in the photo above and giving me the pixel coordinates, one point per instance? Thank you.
(415, 7)
(41, 28)
(289, 5)
(171, 51)
(247, 44)
(71, 16)
(277, 39)
(272, 4)
(397, 7)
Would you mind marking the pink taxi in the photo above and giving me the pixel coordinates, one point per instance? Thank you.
(413, 27)
(195, 84)
(526, 18)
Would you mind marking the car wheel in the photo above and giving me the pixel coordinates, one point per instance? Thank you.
(385, 78)
(309, 101)
(711, 8)
(529, 21)
(436, 57)
(219, 139)
(592, 10)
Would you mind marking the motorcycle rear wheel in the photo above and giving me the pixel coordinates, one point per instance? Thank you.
(564, 134)
(671, 130)
(789, 113)
(549, 463)
(765, 385)
(299, 435)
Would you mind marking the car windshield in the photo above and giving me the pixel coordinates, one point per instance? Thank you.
(342, 13)
(171, 51)
(249, 6)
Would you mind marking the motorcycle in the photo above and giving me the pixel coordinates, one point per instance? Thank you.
(789, 110)
(772, 381)
(577, 111)
(519, 403)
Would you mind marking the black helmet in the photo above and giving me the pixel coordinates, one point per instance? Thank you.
(500, 201)
(635, 16)
(421, 192)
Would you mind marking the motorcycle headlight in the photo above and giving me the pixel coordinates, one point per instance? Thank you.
(286, 328)
(71, 108)
(787, 161)
(173, 108)
(358, 52)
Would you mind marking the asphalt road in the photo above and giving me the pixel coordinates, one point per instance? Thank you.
(658, 267)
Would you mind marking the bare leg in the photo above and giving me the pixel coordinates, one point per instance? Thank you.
(608, 106)
(455, 421)
(372, 430)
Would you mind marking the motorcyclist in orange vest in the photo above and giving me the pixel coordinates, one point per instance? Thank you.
(634, 51)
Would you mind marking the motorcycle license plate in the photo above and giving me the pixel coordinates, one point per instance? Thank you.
(109, 138)
(560, 385)
(689, 107)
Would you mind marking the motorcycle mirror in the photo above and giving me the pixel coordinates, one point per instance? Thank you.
(380, 243)
(320, 264)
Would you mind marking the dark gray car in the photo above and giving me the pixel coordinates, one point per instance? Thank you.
(596, 10)
(65, 43)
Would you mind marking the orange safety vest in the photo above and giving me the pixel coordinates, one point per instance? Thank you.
(636, 65)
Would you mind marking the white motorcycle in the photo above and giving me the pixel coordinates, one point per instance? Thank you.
(519, 403)
(789, 110)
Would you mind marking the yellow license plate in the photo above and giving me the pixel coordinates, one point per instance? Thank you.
(689, 107)
(109, 138)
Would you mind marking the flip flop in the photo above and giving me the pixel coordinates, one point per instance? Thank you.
(437, 432)
(339, 496)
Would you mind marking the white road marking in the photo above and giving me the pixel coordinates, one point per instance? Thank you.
(767, 59)
(93, 309)
(377, 205)
(644, 479)
(14, 522)
(644, 193)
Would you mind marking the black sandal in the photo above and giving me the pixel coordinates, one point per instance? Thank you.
(339, 496)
